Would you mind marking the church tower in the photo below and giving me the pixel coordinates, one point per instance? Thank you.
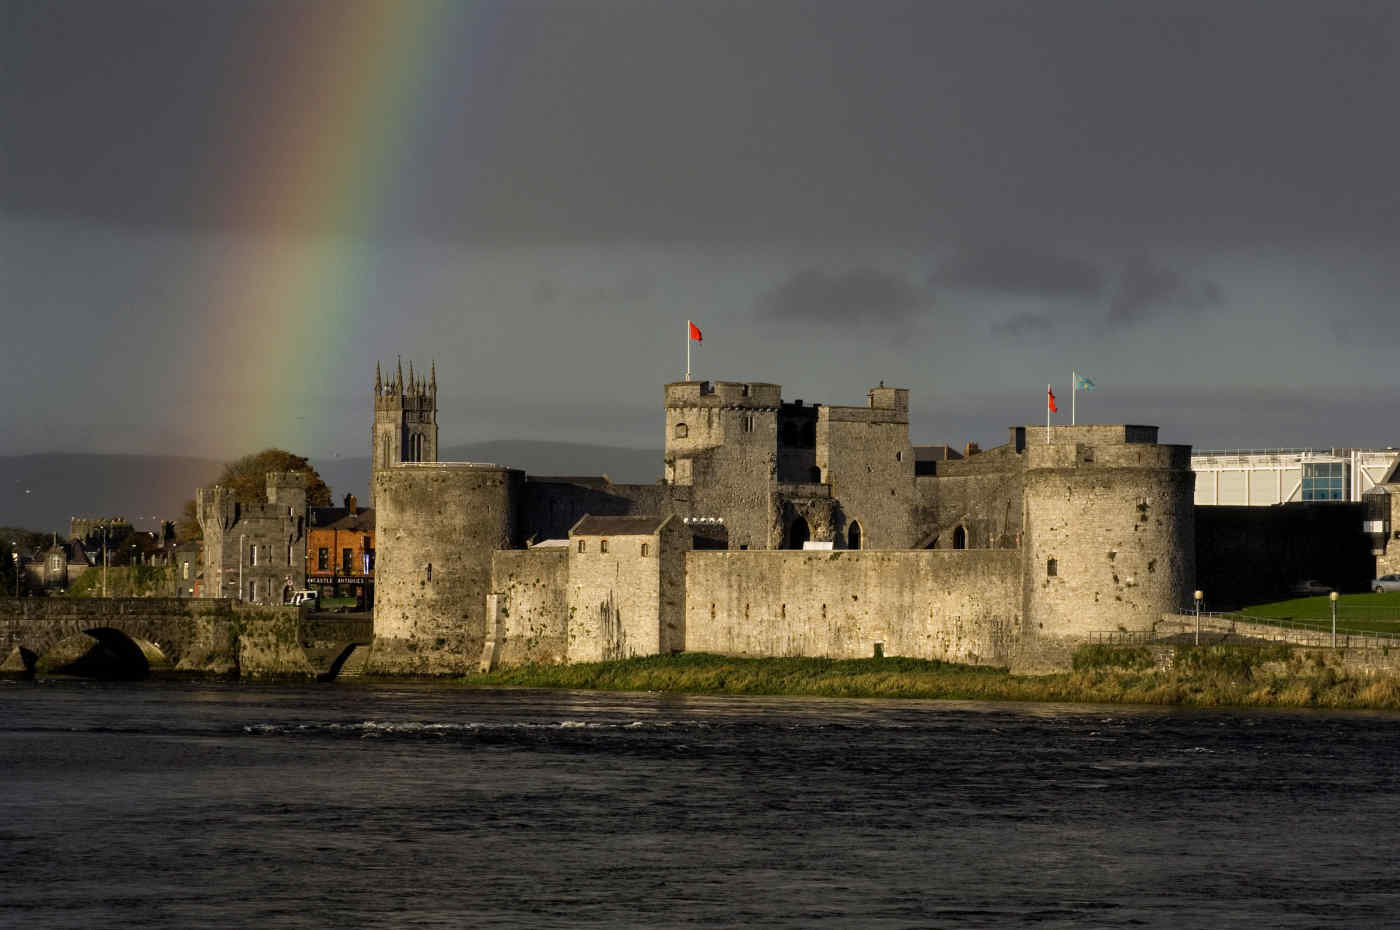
(405, 421)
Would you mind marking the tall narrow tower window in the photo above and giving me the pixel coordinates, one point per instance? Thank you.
(682, 431)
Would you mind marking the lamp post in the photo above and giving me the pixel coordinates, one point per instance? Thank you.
(104, 559)
(131, 567)
(1197, 597)
(1333, 598)
(14, 557)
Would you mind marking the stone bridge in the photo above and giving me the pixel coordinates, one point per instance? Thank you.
(133, 637)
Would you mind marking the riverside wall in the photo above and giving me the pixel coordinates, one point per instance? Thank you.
(960, 606)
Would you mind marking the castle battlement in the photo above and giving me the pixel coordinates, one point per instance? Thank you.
(749, 394)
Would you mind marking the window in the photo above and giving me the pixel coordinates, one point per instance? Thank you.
(748, 422)
(853, 535)
(252, 590)
(603, 546)
(289, 553)
(1052, 568)
(580, 545)
(185, 571)
(1324, 481)
(645, 550)
(682, 431)
(347, 561)
(429, 573)
(960, 538)
(323, 559)
(253, 555)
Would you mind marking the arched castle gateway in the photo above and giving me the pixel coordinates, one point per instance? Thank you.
(782, 528)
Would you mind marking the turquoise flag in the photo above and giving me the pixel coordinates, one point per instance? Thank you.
(1082, 383)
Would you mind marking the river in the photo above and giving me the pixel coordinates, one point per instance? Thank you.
(165, 804)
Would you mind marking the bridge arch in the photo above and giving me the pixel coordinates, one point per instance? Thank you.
(101, 652)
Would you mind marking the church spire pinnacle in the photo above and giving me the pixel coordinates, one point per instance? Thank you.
(432, 378)
(378, 381)
(398, 380)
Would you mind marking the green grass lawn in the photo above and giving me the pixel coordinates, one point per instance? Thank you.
(1362, 613)
(1245, 676)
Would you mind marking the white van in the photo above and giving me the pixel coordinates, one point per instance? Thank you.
(310, 599)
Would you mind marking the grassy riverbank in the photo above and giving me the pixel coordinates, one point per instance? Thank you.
(1207, 676)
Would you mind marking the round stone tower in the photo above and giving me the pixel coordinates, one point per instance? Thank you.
(1110, 533)
(436, 526)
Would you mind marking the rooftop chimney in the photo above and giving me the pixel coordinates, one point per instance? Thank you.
(351, 504)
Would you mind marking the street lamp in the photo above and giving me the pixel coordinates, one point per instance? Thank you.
(131, 567)
(1198, 595)
(1333, 598)
(14, 557)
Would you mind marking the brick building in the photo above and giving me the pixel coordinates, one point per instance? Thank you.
(340, 551)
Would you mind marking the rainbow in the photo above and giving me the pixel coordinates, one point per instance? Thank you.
(323, 169)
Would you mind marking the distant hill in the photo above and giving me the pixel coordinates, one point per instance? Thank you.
(41, 491)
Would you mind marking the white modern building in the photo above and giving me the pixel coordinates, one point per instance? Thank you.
(1260, 477)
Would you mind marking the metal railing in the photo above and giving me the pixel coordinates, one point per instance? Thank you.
(1318, 629)
(1122, 637)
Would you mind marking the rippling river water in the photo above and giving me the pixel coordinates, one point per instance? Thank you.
(178, 805)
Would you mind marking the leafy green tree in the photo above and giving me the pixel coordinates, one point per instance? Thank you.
(247, 479)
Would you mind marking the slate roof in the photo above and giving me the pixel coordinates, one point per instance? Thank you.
(617, 526)
(597, 482)
(339, 518)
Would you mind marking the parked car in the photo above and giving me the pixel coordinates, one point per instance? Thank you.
(310, 599)
(1386, 583)
(1311, 586)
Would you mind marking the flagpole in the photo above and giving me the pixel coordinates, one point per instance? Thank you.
(1047, 415)
(1073, 396)
(687, 349)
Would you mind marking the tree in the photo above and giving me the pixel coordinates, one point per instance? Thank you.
(246, 478)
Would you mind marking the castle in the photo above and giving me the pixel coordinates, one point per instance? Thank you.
(777, 528)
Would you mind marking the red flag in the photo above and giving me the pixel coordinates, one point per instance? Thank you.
(694, 331)
(1051, 401)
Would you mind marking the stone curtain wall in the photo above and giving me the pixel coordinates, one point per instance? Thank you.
(532, 609)
(958, 606)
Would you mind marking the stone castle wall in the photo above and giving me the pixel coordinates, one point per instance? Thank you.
(957, 606)
(865, 456)
(532, 606)
(437, 525)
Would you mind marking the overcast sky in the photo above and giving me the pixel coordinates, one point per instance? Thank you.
(1194, 204)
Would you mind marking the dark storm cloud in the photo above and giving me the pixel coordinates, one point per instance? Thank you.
(1146, 289)
(1023, 327)
(1020, 270)
(855, 300)
(883, 121)
(629, 288)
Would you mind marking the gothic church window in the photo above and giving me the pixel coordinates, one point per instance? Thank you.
(960, 538)
(854, 535)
